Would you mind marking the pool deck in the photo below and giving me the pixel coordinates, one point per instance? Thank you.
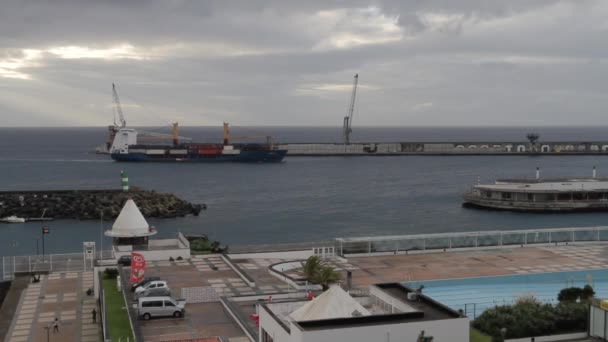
(369, 270)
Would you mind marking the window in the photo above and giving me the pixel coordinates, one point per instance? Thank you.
(530, 197)
(153, 303)
(168, 303)
(160, 285)
(506, 195)
(266, 337)
(152, 286)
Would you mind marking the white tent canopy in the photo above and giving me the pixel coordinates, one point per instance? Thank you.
(333, 303)
(130, 223)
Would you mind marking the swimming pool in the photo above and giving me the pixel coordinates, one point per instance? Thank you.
(474, 295)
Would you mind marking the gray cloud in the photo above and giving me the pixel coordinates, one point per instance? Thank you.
(467, 62)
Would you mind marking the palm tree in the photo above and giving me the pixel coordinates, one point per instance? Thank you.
(326, 276)
(312, 266)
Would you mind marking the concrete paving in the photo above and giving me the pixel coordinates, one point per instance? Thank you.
(59, 296)
(475, 263)
(202, 320)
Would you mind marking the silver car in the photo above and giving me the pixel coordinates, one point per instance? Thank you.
(163, 306)
(156, 292)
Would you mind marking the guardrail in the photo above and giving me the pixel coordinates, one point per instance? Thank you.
(243, 323)
(468, 240)
(237, 269)
(133, 315)
(69, 262)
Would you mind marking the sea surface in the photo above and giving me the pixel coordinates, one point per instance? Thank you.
(302, 199)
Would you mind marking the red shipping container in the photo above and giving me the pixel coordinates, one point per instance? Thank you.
(210, 151)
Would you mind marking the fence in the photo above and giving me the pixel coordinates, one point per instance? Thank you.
(202, 294)
(449, 241)
(71, 262)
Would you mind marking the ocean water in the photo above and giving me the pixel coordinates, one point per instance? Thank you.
(302, 199)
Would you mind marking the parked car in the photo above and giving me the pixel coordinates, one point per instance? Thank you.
(148, 307)
(152, 285)
(156, 292)
(124, 260)
(143, 282)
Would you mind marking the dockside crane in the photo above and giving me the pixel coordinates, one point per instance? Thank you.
(348, 119)
(118, 109)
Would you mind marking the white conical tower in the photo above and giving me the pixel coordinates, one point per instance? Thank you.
(130, 223)
(333, 303)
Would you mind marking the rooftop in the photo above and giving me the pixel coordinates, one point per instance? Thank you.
(394, 308)
(333, 303)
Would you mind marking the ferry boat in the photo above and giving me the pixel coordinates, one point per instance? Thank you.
(12, 219)
(541, 195)
(126, 148)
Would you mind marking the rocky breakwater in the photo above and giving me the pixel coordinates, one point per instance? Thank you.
(89, 204)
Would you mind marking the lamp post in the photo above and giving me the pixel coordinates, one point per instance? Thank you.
(48, 330)
(45, 230)
(101, 235)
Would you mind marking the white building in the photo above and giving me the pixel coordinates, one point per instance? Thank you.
(386, 315)
(131, 232)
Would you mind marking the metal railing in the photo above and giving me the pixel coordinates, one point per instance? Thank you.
(483, 239)
(70, 262)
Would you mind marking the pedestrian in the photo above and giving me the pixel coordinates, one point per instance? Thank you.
(94, 313)
(56, 325)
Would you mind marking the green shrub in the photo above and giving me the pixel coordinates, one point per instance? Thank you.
(110, 273)
(179, 258)
(573, 294)
(569, 294)
(587, 292)
(571, 316)
(200, 245)
(528, 317)
(171, 259)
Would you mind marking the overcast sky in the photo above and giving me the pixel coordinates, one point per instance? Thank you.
(421, 62)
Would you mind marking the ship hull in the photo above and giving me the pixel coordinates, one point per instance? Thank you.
(274, 156)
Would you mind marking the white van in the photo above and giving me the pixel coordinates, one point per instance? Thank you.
(163, 306)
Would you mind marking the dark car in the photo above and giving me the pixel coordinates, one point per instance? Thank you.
(144, 282)
(124, 260)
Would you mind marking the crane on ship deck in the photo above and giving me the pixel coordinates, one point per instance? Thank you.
(227, 136)
(348, 119)
(122, 123)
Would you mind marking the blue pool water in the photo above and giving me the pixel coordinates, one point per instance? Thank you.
(474, 295)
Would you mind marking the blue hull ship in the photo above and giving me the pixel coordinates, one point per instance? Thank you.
(270, 156)
(126, 149)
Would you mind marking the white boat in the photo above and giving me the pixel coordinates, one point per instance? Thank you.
(13, 219)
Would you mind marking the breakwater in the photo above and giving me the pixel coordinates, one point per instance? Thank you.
(447, 148)
(89, 204)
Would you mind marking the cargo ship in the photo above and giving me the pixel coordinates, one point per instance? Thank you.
(125, 148)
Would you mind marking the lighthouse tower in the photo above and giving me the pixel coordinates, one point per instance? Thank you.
(130, 227)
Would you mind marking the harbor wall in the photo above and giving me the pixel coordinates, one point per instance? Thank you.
(445, 148)
(89, 204)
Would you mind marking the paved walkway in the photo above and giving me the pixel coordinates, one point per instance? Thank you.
(57, 295)
(211, 270)
(475, 263)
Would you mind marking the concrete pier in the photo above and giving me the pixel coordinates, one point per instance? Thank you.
(446, 148)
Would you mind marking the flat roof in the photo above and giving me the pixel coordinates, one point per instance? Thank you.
(573, 185)
(424, 309)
